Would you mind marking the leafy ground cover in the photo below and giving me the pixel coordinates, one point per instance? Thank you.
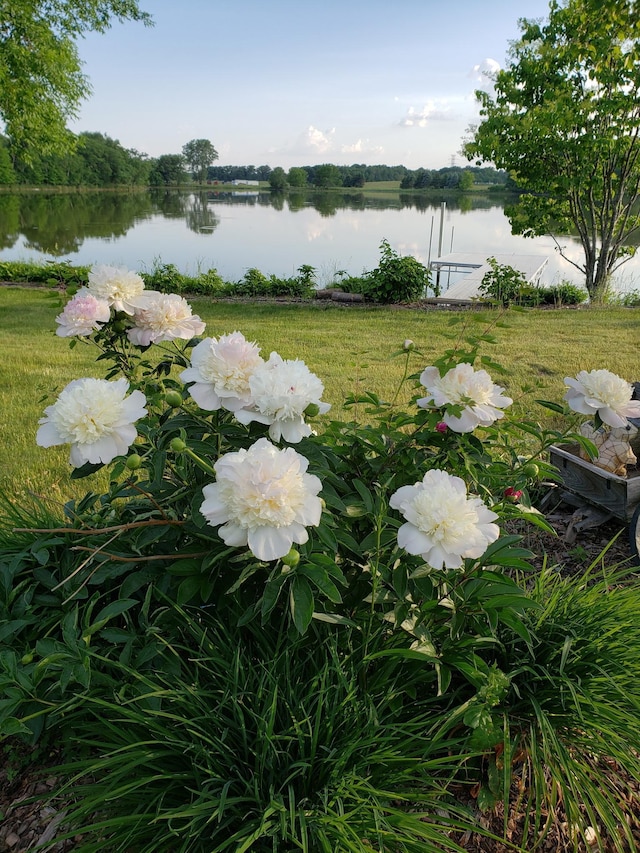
(373, 687)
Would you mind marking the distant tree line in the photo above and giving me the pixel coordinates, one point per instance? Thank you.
(452, 177)
(96, 160)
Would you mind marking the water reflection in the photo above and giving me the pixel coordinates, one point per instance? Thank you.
(233, 231)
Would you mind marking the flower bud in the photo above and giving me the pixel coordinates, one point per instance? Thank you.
(292, 558)
(512, 494)
(177, 445)
(312, 410)
(531, 470)
(408, 345)
(173, 399)
(134, 461)
(441, 426)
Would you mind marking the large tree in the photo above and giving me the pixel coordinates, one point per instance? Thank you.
(199, 154)
(564, 119)
(41, 81)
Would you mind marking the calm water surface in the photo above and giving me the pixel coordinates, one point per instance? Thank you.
(233, 232)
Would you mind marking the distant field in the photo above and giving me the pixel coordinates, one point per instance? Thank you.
(350, 349)
(382, 186)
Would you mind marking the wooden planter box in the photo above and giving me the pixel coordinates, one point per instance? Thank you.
(619, 495)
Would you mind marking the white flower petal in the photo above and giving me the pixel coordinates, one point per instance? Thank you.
(48, 435)
(269, 543)
(413, 540)
(233, 535)
(402, 496)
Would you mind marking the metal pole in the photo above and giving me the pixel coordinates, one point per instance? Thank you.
(443, 207)
(430, 239)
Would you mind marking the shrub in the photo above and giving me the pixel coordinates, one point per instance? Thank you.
(256, 283)
(395, 279)
(503, 284)
(167, 278)
(563, 294)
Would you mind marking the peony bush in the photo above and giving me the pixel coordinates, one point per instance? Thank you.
(252, 553)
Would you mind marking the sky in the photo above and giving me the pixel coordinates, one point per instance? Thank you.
(300, 82)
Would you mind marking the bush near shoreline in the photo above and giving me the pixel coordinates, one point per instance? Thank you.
(397, 280)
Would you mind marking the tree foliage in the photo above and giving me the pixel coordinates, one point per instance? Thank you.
(565, 119)
(41, 81)
(95, 161)
(199, 154)
(167, 169)
(278, 179)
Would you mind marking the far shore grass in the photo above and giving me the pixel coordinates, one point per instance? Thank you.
(349, 347)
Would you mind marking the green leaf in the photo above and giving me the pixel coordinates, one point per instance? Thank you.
(301, 603)
(188, 589)
(115, 609)
(272, 591)
(13, 726)
(321, 579)
(86, 470)
(554, 407)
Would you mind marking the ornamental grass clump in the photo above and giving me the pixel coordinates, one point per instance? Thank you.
(273, 630)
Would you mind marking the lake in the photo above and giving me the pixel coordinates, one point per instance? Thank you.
(233, 231)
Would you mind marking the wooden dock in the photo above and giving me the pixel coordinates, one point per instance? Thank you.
(475, 266)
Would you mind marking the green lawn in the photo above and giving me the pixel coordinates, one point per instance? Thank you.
(349, 347)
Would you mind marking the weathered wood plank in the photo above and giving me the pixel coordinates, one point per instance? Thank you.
(619, 495)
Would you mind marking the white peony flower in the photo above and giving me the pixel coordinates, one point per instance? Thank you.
(281, 391)
(118, 286)
(602, 392)
(94, 416)
(263, 498)
(220, 370)
(82, 315)
(163, 317)
(443, 525)
(473, 390)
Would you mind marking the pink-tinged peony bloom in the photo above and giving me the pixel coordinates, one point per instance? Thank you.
(281, 391)
(220, 370)
(443, 525)
(82, 315)
(263, 498)
(95, 417)
(472, 390)
(118, 286)
(163, 317)
(603, 393)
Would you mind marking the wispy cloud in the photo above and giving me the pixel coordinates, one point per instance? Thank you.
(362, 146)
(433, 110)
(316, 141)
